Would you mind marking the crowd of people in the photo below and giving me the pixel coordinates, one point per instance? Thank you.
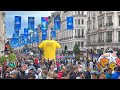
(33, 68)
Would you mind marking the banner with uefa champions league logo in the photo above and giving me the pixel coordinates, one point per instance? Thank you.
(69, 23)
(44, 23)
(57, 23)
(17, 23)
(31, 23)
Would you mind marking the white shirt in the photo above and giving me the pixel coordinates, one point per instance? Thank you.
(91, 64)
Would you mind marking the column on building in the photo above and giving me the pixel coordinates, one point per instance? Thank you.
(115, 23)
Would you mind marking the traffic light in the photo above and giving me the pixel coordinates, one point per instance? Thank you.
(6, 48)
(65, 47)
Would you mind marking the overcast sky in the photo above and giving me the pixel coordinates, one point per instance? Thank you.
(9, 19)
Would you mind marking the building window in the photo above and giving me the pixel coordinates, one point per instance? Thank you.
(75, 32)
(109, 36)
(78, 32)
(82, 12)
(78, 21)
(82, 33)
(78, 12)
(82, 44)
(76, 43)
(82, 21)
(75, 21)
(75, 12)
(109, 20)
(79, 44)
(119, 36)
(119, 20)
(65, 11)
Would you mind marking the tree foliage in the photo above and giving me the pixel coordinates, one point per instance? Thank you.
(10, 57)
(76, 49)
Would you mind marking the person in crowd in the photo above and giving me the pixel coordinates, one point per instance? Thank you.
(102, 76)
(109, 73)
(91, 64)
(114, 70)
(116, 75)
(79, 75)
(39, 71)
(31, 76)
(55, 76)
(87, 73)
(60, 73)
(94, 75)
(50, 75)
(44, 73)
(73, 73)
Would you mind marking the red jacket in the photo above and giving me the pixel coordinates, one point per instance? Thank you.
(36, 61)
(60, 75)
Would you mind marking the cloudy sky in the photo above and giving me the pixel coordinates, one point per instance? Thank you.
(9, 19)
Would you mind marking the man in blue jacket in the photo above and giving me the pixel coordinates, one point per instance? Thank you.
(116, 75)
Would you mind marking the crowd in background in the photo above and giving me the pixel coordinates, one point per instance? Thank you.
(29, 67)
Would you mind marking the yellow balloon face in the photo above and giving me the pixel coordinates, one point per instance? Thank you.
(104, 62)
(112, 65)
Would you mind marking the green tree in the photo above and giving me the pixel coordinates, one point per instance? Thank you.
(76, 51)
(3, 59)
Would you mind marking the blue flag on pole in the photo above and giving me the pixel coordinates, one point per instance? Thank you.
(31, 37)
(57, 23)
(31, 23)
(44, 35)
(69, 23)
(17, 23)
(53, 33)
(35, 32)
(25, 40)
(36, 39)
(16, 34)
(44, 23)
(25, 31)
(29, 41)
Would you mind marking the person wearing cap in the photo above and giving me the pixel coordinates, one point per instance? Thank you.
(116, 75)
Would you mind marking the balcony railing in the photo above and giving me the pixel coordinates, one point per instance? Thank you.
(109, 24)
(110, 40)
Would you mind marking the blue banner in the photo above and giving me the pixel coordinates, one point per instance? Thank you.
(16, 34)
(16, 42)
(31, 23)
(25, 31)
(57, 23)
(25, 40)
(44, 23)
(22, 39)
(36, 39)
(17, 23)
(53, 33)
(29, 39)
(44, 35)
(12, 42)
(69, 23)
(32, 37)
(35, 32)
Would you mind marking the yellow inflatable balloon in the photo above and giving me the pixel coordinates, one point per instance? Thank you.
(49, 48)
